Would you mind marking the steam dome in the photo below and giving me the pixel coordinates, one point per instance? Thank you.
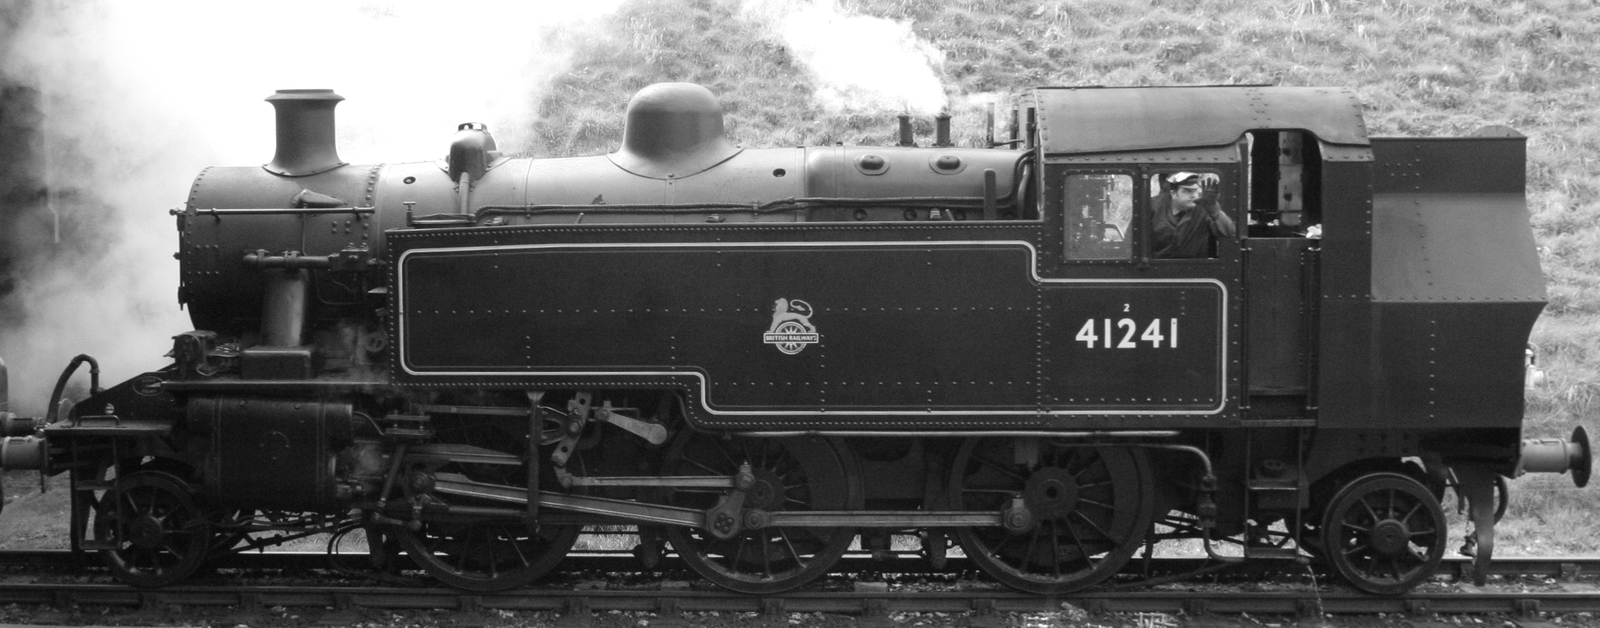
(673, 130)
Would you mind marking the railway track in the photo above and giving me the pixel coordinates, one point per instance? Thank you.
(1528, 589)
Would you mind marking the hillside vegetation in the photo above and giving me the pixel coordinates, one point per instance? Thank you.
(1422, 67)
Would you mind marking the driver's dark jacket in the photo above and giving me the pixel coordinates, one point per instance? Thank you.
(1187, 235)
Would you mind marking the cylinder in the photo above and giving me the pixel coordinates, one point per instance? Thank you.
(941, 130)
(22, 453)
(906, 138)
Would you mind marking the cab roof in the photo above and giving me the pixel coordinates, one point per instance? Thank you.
(1113, 119)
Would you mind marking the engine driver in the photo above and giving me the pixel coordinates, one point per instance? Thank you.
(1187, 216)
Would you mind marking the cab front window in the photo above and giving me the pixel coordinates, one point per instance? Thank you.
(1099, 216)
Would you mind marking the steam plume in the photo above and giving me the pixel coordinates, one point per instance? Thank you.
(108, 109)
(861, 63)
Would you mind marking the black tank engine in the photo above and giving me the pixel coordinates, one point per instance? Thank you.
(759, 359)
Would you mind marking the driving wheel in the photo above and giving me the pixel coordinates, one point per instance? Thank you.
(157, 536)
(1385, 533)
(791, 474)
(487, 553)
(1072, 515)
(482, 555)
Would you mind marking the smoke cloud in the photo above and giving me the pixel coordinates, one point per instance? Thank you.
(882, 65)
(108, 109)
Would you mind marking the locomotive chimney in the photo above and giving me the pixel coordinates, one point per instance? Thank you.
(305, 132)
(906, 138)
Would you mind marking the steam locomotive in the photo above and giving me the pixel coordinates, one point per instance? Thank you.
(759, 359)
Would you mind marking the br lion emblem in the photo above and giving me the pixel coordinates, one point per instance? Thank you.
(791, 328)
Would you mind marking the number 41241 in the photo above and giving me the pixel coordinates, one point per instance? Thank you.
(1105, 333)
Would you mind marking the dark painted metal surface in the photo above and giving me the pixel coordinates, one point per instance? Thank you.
(1279, 293)
(908, 325)
(1456, 283)
(271, 453)
(1109, 119)
(1344, 327)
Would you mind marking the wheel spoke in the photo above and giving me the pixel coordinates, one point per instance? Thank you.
(1033, 543)
(703, 467)
(1094, 526)
(1055, 549)
(491, 562)
(1093, 502)
(1371, 514)
(522, 557)
(766, 555)
(1002, 470)
(1077, 541)
(727, 456)
(1411, 513)
(1089, 464)
(789, 543)
(461, 558)
(740, 554)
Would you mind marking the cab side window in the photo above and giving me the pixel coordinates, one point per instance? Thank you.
(1187, 218)
(1099, 216)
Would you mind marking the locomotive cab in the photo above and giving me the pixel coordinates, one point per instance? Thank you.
(1364, 273)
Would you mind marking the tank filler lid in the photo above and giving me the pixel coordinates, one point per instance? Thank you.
(673, 130)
